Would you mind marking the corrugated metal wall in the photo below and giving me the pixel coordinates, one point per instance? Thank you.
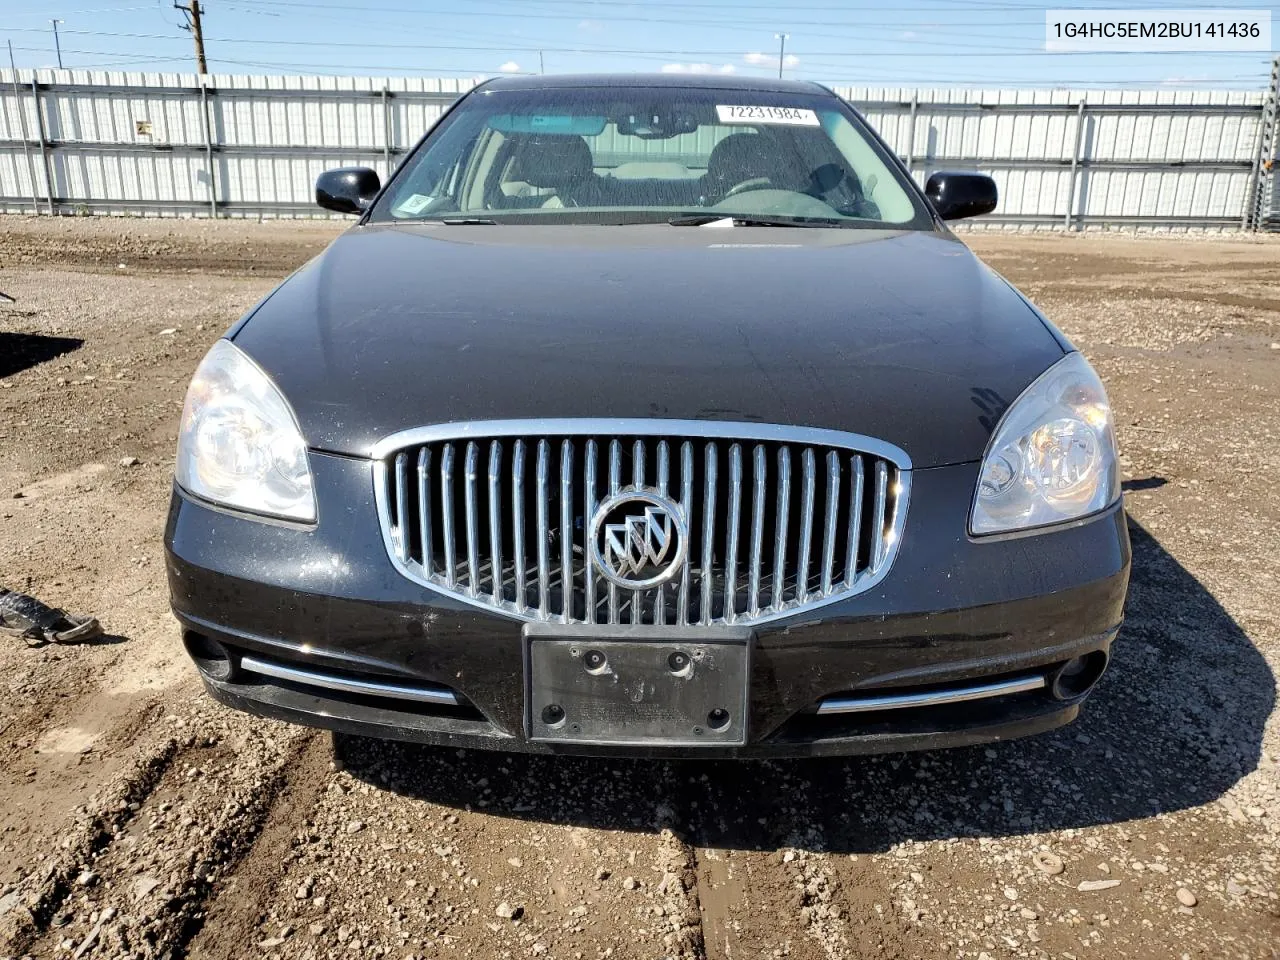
(109, 142)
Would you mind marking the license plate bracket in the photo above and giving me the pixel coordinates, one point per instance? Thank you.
(626, 685)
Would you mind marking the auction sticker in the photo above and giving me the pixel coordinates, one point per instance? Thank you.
(758, 114)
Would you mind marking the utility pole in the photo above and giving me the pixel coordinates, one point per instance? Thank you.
(193, 24)
(782, 49)
(56, 45)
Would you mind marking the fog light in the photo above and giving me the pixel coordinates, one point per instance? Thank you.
(213, 659)
(1077, 677)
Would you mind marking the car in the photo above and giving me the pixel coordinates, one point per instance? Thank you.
(654, 417)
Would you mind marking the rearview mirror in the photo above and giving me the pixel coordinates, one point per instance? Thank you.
(347, 189)
(959, 195)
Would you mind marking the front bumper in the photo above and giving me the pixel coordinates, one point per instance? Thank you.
(952, 614)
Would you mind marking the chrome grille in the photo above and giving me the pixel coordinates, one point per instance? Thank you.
(778, 519)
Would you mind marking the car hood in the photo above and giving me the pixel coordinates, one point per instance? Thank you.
(902, 336)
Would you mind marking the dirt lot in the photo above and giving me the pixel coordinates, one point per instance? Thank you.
(139, 819)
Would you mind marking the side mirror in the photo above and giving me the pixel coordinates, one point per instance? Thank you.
(347, 189)
(959, 195)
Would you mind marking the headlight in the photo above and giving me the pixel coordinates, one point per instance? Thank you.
(239, 444)
(1053, 456)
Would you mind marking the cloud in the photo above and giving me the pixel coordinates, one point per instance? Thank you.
(509, 67)
(698, 68)
(757, 59)
(590, 26)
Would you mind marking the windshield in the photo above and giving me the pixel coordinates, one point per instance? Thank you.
(645, 155)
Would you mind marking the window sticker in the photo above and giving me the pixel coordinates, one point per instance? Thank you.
(414, 205)
(794, 116)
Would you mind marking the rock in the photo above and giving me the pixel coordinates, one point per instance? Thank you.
(515, 861)
(631, 883)
(87, 878)
(128, 461)
(1087, 886)
(168, 331)
(1028, 914)
(143, 886)
(1235, 889)
(1049, 863)
(507, 912)
(355, 826)
(1187, 898)
(9, 901)
(1010, 893)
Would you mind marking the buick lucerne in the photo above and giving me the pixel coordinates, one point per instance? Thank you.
(658, 416)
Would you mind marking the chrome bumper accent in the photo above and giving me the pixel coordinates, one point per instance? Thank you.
(369, 688)
(931, 698)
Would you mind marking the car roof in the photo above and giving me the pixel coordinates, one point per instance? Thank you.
(670, 80)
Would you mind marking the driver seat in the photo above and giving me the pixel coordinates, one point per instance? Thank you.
(736, 159)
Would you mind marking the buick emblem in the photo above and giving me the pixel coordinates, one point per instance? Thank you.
(638, 539)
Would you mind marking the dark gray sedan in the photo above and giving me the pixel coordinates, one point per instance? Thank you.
(656, 416)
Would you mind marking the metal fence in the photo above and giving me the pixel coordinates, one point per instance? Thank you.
(74, 141)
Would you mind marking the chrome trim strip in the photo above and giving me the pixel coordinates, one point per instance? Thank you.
(642, 427)
(327, 681)
(931, 698)
(615, 484)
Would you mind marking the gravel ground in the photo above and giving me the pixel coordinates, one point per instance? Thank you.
(140, 819)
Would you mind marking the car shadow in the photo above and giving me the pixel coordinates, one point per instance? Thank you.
(19, 351)
(1177, 720)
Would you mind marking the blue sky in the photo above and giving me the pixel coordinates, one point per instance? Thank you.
(904, 43)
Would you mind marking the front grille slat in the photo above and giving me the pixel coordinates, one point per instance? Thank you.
(686, 501)
(424, 509)
(473, 536)
(544, 564)
(780, 528)
(495, 522)
(829, 528)
(744, 539)
(877, 529)
(855, 523)
(517, 523)
(757, 529)
(615, 485)
(447, 521)
(664, 470)
(806, 526)
(566, 530)
(708, 530)
(402, 506)
(589, 511)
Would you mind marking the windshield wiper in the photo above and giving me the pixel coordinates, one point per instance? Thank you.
(469, 221)
(737, 220)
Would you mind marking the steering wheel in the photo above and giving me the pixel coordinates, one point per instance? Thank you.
(755, 183)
